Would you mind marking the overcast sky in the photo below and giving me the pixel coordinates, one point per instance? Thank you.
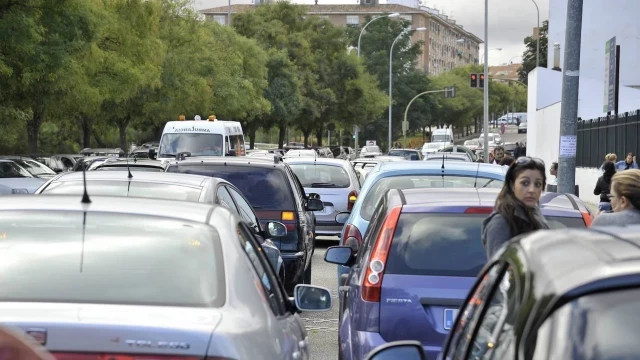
(510, 21)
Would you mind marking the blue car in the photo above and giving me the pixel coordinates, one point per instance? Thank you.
(420, 258)
(407, 175)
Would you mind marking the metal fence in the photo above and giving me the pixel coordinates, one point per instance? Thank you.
(609, 134)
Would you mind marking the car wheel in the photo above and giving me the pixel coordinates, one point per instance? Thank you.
(307, 273)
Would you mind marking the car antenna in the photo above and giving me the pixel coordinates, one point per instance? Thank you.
(475, 181)
(85, 196)
(130, 176)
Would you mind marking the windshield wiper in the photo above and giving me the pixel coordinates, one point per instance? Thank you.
(322, 184)
(488, 182)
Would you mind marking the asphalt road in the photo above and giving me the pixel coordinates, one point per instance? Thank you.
(323, 326)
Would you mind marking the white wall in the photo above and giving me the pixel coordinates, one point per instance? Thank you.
(602, 19)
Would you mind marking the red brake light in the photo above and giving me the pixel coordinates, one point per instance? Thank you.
(103, 356)
(372, 283)
(352, 237)
(351, 200)
(587, 218)
(479, 210)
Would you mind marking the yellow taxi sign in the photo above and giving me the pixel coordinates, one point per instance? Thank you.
(352, 198)
(181, 118)
(212, 118)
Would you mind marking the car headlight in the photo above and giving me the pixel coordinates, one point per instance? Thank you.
(19, 191)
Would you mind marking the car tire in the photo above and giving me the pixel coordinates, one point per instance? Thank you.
(307, 273)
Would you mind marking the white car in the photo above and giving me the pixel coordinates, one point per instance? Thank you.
(522, 128)
(473, 144)
(494, 139)
(370, 151)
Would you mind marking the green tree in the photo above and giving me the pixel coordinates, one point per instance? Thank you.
(529, 55)
(38, 40)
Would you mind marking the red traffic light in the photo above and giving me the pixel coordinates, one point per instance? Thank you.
(481, 76)
(473, 76)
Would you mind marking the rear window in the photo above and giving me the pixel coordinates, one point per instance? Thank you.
(556, 222)
(412, 155)
(321, 176)
(124, 188)
(422, 181)
(266, 188)
(108, 258)
(437, 245)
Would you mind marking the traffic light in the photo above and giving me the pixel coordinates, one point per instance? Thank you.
(474, 80)
(481, 81)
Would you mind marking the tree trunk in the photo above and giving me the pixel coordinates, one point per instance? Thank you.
(122, 128)
(281, 136)
(33, 130)
(99, 141)
(86, 124)
(252, 136)
(306, 134)
(319, 136)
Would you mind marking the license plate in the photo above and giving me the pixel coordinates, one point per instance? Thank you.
(449, 318)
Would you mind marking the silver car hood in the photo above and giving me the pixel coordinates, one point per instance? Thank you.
(31, 184)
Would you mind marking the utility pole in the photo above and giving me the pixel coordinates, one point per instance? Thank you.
(569, 106)
(486, 88)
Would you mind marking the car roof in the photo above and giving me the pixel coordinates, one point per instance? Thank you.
(421, 197)
(138, 176)
(182, 210)
(228, 160)
(454, 165)
(576, 261)
(131, 162)
(310, 160)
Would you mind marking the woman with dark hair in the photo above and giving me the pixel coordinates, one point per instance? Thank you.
(507, 161)
(603, 186)
(517, 209)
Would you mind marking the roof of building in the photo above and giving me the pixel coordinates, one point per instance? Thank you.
(351, 9)
(507, 71)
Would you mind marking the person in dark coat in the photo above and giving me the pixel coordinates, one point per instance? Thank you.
(603, 186)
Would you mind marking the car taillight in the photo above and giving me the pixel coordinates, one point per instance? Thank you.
(352, 237)
(351, 199)
(587, 218)
(372, 283)
(479, 210)
(103, 356)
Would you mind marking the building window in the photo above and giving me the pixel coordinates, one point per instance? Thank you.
(353, 20)
(220, 19)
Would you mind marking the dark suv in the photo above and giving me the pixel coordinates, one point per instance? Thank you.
(275, 193)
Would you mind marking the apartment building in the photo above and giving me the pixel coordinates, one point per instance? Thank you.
(505, 72)
(446, 43)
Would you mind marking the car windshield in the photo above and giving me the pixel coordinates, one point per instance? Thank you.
(437, 245)
(440, 138)
(125, 188)
(302, 153)
(106, 258)
(265, 188)
(9, 169)
(371, 149)
(195, 143)
(321, 176)
(422, 181)
(34, 167)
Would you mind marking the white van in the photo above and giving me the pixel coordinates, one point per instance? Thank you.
(440, 138)
(209, 137)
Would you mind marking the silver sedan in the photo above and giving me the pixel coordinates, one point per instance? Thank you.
(145, 278)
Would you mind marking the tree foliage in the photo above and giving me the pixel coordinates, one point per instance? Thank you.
(529, 55)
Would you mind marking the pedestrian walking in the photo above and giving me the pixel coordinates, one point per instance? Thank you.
(517, 150)
(628, 163)
(609, 157)
(517, 209)
(603, 186)
(498, 155)
(502, 128)
(553, 170)
(625, 200)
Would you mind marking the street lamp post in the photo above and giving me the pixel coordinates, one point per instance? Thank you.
(406, 110)
(538, 40)
(391, 77)
(394, 15)
(486, 86)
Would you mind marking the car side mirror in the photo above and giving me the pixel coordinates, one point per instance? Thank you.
(312, 298)
(342, 217)
(276, 229)
(314, 196)
(152, 154)
(58, 170)
(314, 204)
(339, 255)
(405, 350)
